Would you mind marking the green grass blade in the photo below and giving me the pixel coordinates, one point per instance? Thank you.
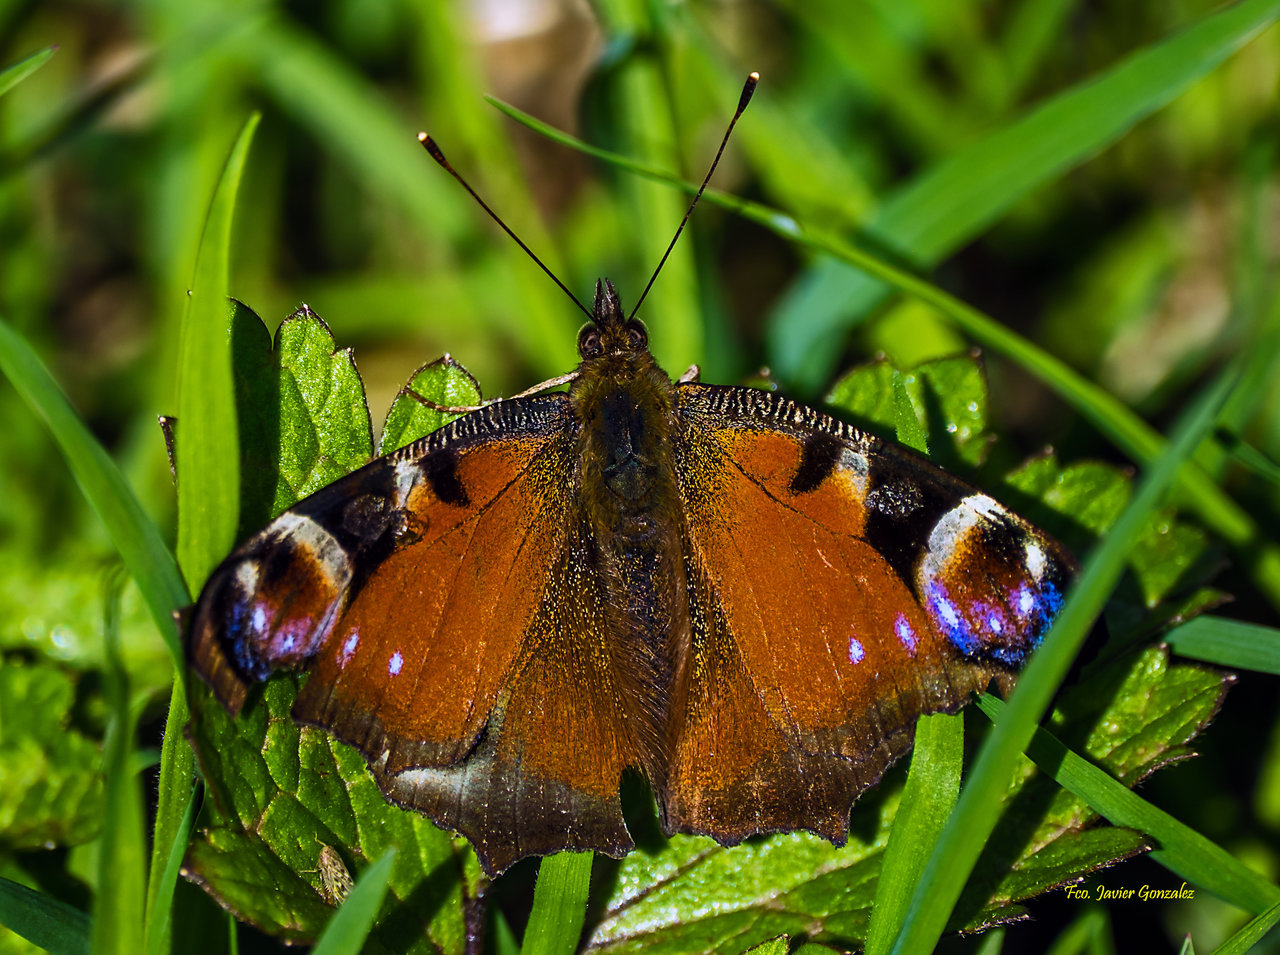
(350, 925)
(160, 901)
(122, 868)
(977, 809)
(207, 456)
(951, 204)
(1250, 935)
(350, 116)
(559, 904)
(54, 926)
(1180, 849)
(135, 537)
(930, 794)
(11, 76)
(1228, 643)
(207, 438)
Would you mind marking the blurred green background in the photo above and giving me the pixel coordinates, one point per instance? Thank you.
(1142, 260)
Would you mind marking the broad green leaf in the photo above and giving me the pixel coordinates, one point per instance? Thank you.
(54, 926)
(939, 211)
(50, 771)
(1180, 849)
(443, 382)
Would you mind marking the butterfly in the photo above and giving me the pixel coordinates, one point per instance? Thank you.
(744, 598)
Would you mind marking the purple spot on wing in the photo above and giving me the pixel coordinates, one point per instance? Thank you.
(905, 634)
(395, 663)
(856, 651)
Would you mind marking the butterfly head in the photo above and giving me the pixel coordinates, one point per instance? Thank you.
(610, 332)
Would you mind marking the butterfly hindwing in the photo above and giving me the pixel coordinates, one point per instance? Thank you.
(842, 587)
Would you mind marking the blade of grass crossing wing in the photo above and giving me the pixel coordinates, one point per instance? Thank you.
(54, 926)
(15, 74)
(350, 925)
(559, 904)
(1181, 849)
(119, 901)
(1228, 643)
(976, 811)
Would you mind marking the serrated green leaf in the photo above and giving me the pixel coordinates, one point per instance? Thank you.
(443, 382)
(774, 946)
(948, 396)
(281, 793)
(325, 431)
(50, 772)
(54, 926)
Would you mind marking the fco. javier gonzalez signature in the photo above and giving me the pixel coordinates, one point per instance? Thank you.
(1145, 893)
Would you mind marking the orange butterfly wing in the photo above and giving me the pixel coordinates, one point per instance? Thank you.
(444, 599)
(839, 588)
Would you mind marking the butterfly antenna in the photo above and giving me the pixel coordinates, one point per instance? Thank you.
(748, 88)
(430, 146)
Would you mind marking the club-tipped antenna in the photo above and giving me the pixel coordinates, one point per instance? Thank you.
(430, 146)
(748, 88)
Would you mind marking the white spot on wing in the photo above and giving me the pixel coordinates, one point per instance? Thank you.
(1036, 562)
(856, 651)
(349, 647)
(395, 663)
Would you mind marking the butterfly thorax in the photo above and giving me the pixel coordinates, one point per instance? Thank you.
(624, 407)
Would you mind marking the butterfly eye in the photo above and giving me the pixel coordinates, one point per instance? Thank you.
(589, 342)
(637, 337)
